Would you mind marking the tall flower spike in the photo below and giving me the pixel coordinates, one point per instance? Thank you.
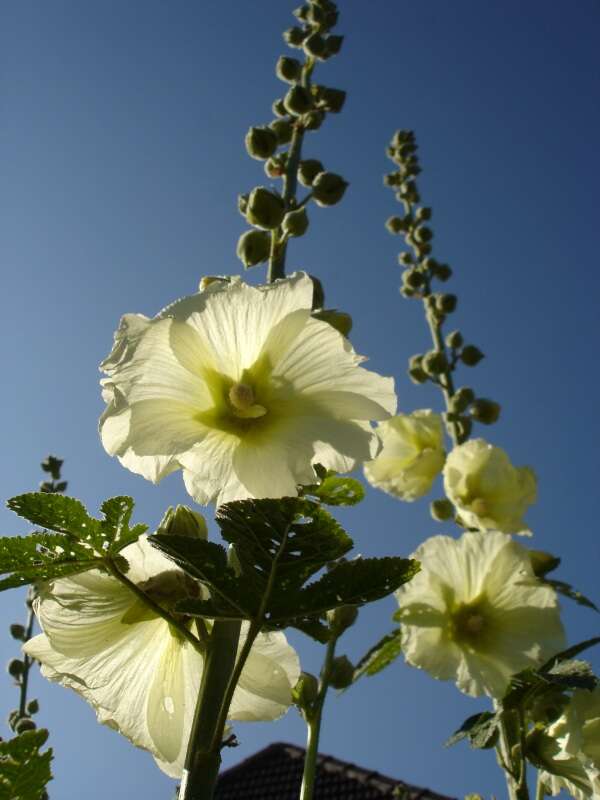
(476, 613)
(242, 389)
(141, 676)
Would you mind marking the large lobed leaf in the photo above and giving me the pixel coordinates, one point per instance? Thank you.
(24, 771)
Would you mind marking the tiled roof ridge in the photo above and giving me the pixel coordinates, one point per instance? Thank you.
(351, 771)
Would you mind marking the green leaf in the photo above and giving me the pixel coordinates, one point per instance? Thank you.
(381, 655)
(337, 491)
(41, 557)
(573, 594)
(481, 730)
(573, 674)
(24, 771)
(570, 652)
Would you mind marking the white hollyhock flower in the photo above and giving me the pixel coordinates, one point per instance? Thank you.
(411, 457)
(489, 493)
(242, 389)
(142, 676)
(570, 751)
(476, 614)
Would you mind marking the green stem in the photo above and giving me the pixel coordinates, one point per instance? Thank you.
(313, 720)
(510, 758)
(27, 661)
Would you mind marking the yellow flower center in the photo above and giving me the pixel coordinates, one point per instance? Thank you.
(470, 625)
(241, 398)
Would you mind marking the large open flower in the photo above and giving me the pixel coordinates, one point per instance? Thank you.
(476, 614)
(488, 491)
(411, 457)
(243, 389)
(140, 675)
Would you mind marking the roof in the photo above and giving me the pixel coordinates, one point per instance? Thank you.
(275, 773)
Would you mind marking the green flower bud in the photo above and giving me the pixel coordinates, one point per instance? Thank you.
(308, 171)
(485, 411)
(395, 224)
(413, 278)
(315, 15)
(461, 399)
(313, 120)
(33, 707)
(454, 340)
(423, 234)
(301, 13)
(542, 563)
(342, 618)
(391, 179)
(278, 108)
(318, 300)
(294, 36)
(314, 45)
(295, 223)
(446, 303)
(283, 130)
(401, 137)
(441, 510)
(471, 355)
(24, 725)
(442, 272)
(342, 673)
(253, 247)
(423, 214)
(17, 631)
(265, 209)
(339, 320)
(333, 45)
(242, 203)
(275, 166)
(288, 69)
(405, 259)
(331, 99)
(328, 188)
(417, 375)
(435, 362)
(297, 100)
(182, 521)
(261, 142)
(305, 691)
(15, 667)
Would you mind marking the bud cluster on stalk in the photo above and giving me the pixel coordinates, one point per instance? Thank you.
(421, 276)
(276, 215)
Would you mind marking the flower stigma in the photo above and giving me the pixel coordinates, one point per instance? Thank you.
(241, 398)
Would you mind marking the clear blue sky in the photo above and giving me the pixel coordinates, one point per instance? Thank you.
(122, 155)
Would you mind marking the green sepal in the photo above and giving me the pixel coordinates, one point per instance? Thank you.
(381, 655)
(24, 771)
(568, 591)
(337, 491)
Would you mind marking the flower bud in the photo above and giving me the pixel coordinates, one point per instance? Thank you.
(297, 100)
(182, 521)
(542, 563)
(283, 130)
(314, 46)
(294, 36)
(454, 340)
(405, 259)
(342, 618)
(485, 411)
(279, 109)
(253, 247)
(33, 707)
(15, 667)
(415, 369)
(265, 209)
(17, 631)
(24, 725)
(423, 234)
(308, 171)
(339, 320)
(435, 362)
(333, 45)
(288, 69)
(461, 399)
(413, 278)
(442, 272)
(328, 188)
(331, 99)
(305, 691)
(342, 673)
(423, 214)
(471, 355)
(441, 510)
(313, 120)
(261, 142)
(295, 223)
(395, 224)
(446, 303)
(275, 166)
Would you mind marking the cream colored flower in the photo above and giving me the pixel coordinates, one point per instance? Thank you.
(476, 614)
(571, 749)
(242, 389)
(488, 492)
(411, 457)
(139, 674)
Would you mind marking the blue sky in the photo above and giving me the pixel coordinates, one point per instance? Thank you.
(122, 156)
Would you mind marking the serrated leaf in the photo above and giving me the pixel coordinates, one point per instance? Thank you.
(381, 655)
(337, 490)
(573, 674)
(573, 594)
(481, 730)
(114, 527)
(24, 771)
(570, 653)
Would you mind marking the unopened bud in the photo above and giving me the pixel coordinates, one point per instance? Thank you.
(442, 272)
(454, 340)
(339, 320)
(394, 224)
(275, 166)
(261, 142)
(405, 259)
(33, 707)
(253, 247)
(312, 120)
(17, 631)
(297, 100)
(328, 188)
(461, 399)
(542, 563)
(446, 303)
(342, 673)
(294, 36)
(295, 223)
(265, 209)
(333, 45)
(278, 108)
(283, 130)
(288, 69)
(308, 171)
(435, 362)
(441, 510)
(423, 214)
(314, 45)
(413, 278)
(305, 691)
(331, 99)
(182, 521)
(485, 411)
(342, 618)
(24, 725)
(15, 667)
(471, 355)
(423, 234)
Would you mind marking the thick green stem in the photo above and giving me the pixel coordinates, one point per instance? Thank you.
(510, 757)
(313, 721)
(203, 758)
